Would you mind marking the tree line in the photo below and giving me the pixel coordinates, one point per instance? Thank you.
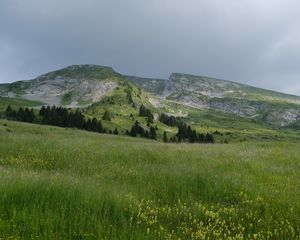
(145, 112)
(138, 130)
(62, 117)
(185, 132)
(171, 121)
(56, 116)
(22, 114)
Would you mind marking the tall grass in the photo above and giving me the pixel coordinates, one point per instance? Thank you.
(67, 184)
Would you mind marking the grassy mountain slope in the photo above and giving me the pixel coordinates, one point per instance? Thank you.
(16, 103)
(96, 89)
(221, 88)
(239, 99)
(58, 183)
(154, 86)
(233, 127)
(124, 110)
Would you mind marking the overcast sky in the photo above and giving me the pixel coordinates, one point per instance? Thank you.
(250, 41)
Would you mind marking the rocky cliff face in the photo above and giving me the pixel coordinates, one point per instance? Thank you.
(68, 91)
(73, 86)
(152, 85)
(246, 101)
(242, 100)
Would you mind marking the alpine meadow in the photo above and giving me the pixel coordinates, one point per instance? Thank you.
(149, 120)
(131, 162)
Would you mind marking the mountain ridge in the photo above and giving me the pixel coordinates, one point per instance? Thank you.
(85, 84)
(136, 78)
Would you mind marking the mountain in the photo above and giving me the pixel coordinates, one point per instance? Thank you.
(152, 85)
(239, 99)
(94, 89)
(73, 86)
(87, 86)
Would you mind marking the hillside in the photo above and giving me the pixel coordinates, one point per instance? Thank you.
(152, 85)
(96, 89)
(239, 99)
(58, 183)
(65, 183)
(74, 86)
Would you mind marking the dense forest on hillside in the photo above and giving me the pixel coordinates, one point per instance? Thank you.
(56, 116)
(63, 117)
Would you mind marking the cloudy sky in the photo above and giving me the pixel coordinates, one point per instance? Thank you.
(250, 41)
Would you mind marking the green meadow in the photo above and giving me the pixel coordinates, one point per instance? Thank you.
(16, 103)
(58, 183)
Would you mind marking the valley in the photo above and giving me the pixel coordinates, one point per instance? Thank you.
(115, 165)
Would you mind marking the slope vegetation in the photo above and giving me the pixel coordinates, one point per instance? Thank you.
(96, 89)
(58, 183)
(235, 98)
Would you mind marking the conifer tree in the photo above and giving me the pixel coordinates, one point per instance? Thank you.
(145, 112)
(116, 132)
(89, 125)
(8, 110)
(152, 133)
(94, 125)
(100, 128)
(147, 135)
(165, 137)
(133, 132)
(107, 116)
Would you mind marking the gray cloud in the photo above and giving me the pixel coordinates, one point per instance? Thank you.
(250, 41)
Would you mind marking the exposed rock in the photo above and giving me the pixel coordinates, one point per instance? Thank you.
(67, 89)
(81, 85)
(243, 100)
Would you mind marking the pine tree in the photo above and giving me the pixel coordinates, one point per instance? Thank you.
(107, 116)
(20, 114)
(8, 111)
(194, 137)
(189, 132)
(31, 116)
(145, 112)
(129, 98)
(116, 132)
(94, 125)
(100, 128)
(152, 133)
(133, 132)
(165, 137)
(201, 138)
(89, 125)
(182, 132)
(209, 138)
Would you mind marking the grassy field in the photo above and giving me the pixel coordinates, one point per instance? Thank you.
(60, 183)
(16, 103)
